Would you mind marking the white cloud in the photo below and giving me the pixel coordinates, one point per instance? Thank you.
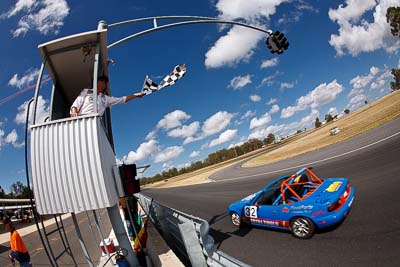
(152, 149)
(248, 114)
(287, 85)
(167, 165)
(377, 84)
(185, 130)
(356, 34)
(168, 154)
(224, 137)
(194, 154)
(321, 95)
(272, 101)
(144, 151)
(173, 119)
(360, 82)
(246, 9)
(28, 77)
(255, 98)
(236, 144)
(269, 80)
(240, 82)
(264, 120)
(356, 102)
(212, 125)
(184, 165)
(239, 43)
(284, 129)
(274, 109)
(216, 123)
(45, 16)
(12, 138)
(42, 111)
(333, 111)
(269, 63)
(151, 135)
(235, 47)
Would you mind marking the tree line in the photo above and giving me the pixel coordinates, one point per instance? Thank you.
(17, 190)
(393, 18)
(212, 159)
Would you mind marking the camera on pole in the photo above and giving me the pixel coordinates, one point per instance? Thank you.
(277, 42)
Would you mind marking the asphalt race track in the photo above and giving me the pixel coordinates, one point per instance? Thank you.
(370, 235)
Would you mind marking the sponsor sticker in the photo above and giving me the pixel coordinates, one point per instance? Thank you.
(302, 207)
(333, 187)
(271, 222)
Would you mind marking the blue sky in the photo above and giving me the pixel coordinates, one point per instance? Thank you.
(340, 54)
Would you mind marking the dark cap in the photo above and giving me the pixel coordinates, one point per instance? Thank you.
(103, 78)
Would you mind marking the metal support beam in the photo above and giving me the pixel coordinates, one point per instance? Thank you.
(37, 92)
(80, 238)
(101, 233)
(121, 235)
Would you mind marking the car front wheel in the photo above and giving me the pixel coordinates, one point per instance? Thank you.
(302, 227)
(236, 220)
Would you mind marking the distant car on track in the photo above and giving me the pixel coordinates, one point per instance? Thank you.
(301, 203)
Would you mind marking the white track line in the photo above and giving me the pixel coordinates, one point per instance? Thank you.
(310, 163)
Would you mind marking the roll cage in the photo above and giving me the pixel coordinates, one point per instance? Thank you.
(290, 189)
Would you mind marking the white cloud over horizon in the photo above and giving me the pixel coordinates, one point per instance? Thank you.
(224, 137)
(321, 95)
(194, 154)
(214, 124)
(260, 122)
(284, 129)
(152, 150)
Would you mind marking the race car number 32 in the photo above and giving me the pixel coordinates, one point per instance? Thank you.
(250, 211)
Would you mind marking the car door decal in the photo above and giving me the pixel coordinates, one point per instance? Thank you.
(250, 211)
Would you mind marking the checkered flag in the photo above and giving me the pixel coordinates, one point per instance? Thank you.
(177, 73)
(149, 86)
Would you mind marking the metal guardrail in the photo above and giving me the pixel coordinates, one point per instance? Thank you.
(186, 235)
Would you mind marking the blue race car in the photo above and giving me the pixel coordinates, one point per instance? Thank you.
(300, 203)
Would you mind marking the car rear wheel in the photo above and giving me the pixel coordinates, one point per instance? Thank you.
(302, 227)
(236, 220)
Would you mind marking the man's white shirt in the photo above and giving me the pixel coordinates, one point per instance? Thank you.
(84, 102)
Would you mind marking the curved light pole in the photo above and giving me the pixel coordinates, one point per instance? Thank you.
(276, 45)
(276, 42)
